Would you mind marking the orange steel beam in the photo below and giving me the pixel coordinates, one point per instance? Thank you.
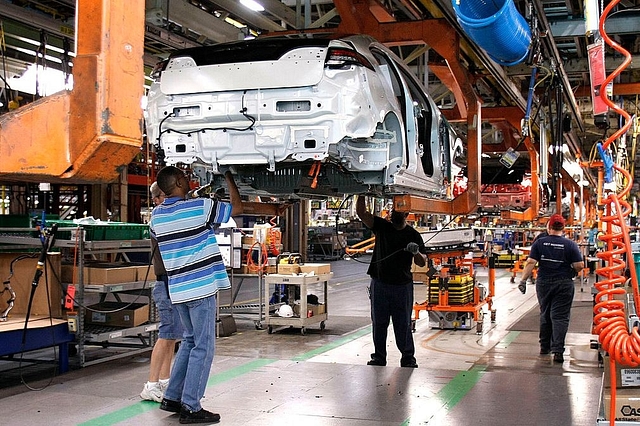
(88, 134)
(619, 89)
(531, 212)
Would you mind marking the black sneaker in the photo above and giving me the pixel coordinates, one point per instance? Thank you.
(557, 357)
(202, 416)
(544, 352)
(409, 364)
(171, 406)
(377, 362)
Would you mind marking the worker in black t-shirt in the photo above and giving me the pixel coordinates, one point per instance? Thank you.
(559, 260)
(396, 245)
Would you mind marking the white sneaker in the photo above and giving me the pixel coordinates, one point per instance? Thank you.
(163, 383)
(151, 392)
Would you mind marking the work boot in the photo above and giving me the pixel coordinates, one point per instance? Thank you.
(202, 416)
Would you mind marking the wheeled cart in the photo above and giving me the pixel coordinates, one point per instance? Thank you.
(308, 314)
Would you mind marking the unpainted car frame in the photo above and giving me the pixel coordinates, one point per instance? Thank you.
(302, 117)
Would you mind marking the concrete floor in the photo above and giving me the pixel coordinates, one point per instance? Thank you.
(321, 378)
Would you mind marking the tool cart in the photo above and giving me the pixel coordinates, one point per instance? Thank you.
(307, 313)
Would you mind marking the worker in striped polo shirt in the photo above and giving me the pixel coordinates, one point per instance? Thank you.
(183, 229)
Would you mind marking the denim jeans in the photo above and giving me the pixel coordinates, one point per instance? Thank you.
(170, 324)
(191, 367)
(555, 298)
(392, 302)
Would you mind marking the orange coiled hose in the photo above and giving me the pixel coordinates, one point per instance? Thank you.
(622, 344)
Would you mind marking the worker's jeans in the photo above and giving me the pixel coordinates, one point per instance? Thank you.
(191, 367)
(555, 298)
(393, 302)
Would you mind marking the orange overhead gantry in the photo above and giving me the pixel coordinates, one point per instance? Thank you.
(90, 133)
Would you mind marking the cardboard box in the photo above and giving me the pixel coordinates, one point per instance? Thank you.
(627, 404)
(315, 310)
(286, 268)
(117, 314)
(104, 274)
(420, 277)
(317, 268)
(626, 377)
(22, 282)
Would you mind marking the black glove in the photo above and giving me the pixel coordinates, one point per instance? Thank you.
(412, 248)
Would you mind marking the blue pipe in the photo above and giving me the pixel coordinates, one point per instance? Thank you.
(497, 27)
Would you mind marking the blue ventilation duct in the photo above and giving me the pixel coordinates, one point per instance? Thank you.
(497, 27)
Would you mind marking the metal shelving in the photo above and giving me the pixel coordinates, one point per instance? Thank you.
(103, 336)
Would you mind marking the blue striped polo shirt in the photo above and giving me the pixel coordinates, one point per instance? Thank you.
(188, 246)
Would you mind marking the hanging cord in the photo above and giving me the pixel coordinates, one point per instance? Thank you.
(616, 337)
(66, 61)
(41, 61)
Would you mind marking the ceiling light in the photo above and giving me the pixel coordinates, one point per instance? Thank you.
(253, 5)
(235, 23)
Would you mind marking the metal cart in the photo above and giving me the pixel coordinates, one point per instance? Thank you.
(303, 319)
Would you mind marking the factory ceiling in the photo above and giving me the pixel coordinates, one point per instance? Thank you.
(42, 32)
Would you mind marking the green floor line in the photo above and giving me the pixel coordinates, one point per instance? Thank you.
(455, 390)
(122, 414)
(508, 339)
(326, 348)
(144, 406)
(238, 371)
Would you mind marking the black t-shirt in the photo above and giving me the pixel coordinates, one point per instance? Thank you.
(555, 254)
(390, 262)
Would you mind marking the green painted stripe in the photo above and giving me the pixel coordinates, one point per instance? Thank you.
(508, 339)
(144, 406)
(122, 414)
(453, 392)
(238, 371)
(325, 348)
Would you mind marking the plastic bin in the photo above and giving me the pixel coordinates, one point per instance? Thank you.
(116, 231)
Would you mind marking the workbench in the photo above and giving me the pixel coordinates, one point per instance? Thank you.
(42, 332)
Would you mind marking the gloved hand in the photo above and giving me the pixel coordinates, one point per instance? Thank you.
(412, 248)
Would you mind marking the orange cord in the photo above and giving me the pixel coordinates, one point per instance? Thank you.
(610, 318)
(262, 262)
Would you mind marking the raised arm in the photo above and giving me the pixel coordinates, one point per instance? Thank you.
(361, 210)
(234, 194)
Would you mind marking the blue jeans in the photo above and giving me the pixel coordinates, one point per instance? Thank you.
(191, 367)
(170, 324)
(555, 298)
(395, 303)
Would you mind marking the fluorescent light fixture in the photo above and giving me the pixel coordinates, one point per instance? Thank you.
(485, 155)
(50, 81)
(235, 23)
(253, 5)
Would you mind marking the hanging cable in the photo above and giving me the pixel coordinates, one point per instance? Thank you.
(616, 336)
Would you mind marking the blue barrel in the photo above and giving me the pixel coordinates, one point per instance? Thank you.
(497, 27)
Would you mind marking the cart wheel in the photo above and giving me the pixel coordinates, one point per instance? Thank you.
(270, 330)
(479, 327)
(413, 326)
(302, 331)
(258, 325)
(493, 315)
(322, 325)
